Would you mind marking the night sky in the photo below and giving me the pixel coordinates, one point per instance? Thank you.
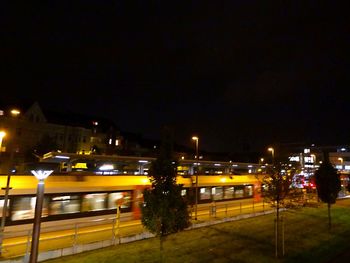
(240, 74)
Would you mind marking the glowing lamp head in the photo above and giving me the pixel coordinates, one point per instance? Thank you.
(15, 112)
(41, 174)
(195, 138)
(2, 134)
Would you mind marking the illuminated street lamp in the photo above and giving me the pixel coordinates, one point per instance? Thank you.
(14, 113)
(41, 175)
(272, 150)
(341, 162)
(2, 135)
(196, 139)
(4, 211)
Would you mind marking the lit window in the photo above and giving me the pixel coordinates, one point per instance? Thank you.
(116, 142)
(64, 205)
(306, 150)
(106, 167)
(110, 141)
(93, 202)
(123, 199)
(24, 208)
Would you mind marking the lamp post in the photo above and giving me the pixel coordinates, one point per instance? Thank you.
(272, 150)
(41, 175)
(196, 139)
(2, 135)
(341, 162)
(14, 113)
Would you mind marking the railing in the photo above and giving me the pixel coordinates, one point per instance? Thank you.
(219, 210)
(87, 234)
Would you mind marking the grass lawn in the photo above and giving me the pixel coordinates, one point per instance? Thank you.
(307, 239)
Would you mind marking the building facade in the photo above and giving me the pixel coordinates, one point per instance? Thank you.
(32, 132)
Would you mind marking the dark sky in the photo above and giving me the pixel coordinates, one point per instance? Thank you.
(240, 74)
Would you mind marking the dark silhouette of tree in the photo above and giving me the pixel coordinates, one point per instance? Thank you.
(45, 145)
(164, 210)
(276, 187)
(328, 184)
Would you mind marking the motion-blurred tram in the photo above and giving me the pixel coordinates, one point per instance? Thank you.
(77, 194)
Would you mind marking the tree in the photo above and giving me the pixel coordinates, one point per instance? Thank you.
(164, 210)
(328, 184)
(276, 186)
(45, 144)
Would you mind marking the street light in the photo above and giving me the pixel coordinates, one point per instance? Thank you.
(41, 175)
(341, 162)
(2, 135)
(14, 113)
(196, 139)
(272, 150)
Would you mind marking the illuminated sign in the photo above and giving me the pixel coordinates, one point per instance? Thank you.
(294, 159)
(308, 159)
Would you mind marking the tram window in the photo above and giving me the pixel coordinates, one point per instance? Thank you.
(183, 192)
(249, 190)
(24, 207)
(217, 193)
(120, 198)
(204, 193)
(239, 191)
(64, 204)
(2, 206)
(93, 202)
(229, 192)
